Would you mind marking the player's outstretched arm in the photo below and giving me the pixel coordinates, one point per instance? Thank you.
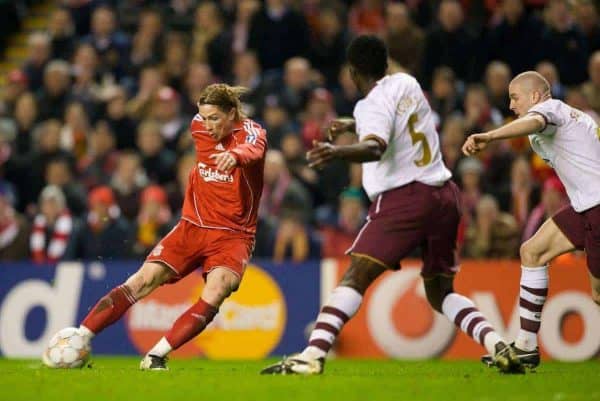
(252, 150)
(525, 125)
(365, 151)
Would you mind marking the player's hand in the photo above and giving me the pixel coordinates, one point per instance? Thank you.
(225, 161)
(338, 127)
(475, 143)
(321, 154)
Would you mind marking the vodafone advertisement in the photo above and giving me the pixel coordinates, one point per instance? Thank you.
(395, 320)
(276, 304)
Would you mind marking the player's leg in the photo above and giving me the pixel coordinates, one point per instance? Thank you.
(220, 283)
(547, 243)
(342, 305)
(225, 262)
(439, 267)
(465, 315)
(113, 305)
(592, 249)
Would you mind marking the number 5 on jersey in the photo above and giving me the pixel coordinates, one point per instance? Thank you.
(419, 137)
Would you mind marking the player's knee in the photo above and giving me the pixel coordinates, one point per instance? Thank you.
(219, 285)
(530, 254)
(361, 274)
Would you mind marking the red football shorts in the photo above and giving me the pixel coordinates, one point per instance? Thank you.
(188, 247)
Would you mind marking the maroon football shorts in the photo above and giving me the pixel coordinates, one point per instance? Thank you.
(413, 216)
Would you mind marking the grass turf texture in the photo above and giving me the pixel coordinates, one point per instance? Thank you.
(344, 380)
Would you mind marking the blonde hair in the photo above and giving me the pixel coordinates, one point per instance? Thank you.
(224, 97)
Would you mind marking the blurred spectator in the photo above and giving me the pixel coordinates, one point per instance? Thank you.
(59, 172)
(516, 39)
(404, 39)
(346, 96)
(74, 134)
(198, 77)
(157, 161)
(246, 73)
(444, 97)
(86, 87)
(26, 116)
(451, 44)
(554, 197)
(453, 137)
(586, 17)
(480, 116)
(211, 42)
(277, 33)
(175, 62)
(127, 182)
(100, 161)
(525, 192)
(166, 110)
(294, 154)
(123, 126)
(276, 121)
(282, 194)
(319, 113)
(327, 52)
(297, 85)
(294, 241)
(469, 171)
(150, 81)
(53, 97)
(62, 34)
(55, 232)
(549, 71)
(152, 222)
(106, 235)
(338, 238)
(16, 85)
(112, 45)
(14, 229)
(366, 17)
(563, 44)
(180, 14)
(176, 189)
(147, 42)
(46, 147)
(497, 78)
(492, 234)
(240, 28)
(497, 161)
(575, 98)
(591, 88)
(38, 55)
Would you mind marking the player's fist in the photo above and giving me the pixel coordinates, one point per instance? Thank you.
(225, 161)
(321, 154)
(475, 143)
(339, 126)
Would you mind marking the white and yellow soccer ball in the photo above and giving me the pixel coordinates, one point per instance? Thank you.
(68, 348)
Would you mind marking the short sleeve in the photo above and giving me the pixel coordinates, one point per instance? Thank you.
(374, 116)
(551, 112)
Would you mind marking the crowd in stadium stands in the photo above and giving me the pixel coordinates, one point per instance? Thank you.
(94, 141)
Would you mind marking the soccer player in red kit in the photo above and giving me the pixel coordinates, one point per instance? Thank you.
(217, 228)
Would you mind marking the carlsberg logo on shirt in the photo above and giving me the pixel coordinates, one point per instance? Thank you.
(210, 175)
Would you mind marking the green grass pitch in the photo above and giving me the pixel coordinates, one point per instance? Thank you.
(344, 380)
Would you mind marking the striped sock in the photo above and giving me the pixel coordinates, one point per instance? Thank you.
(532, 296)
(464, 314)
(109, 309)
(341, 306)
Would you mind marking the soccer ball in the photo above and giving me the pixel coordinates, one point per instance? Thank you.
(67, 349)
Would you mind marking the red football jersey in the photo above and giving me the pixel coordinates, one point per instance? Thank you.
(223, 201)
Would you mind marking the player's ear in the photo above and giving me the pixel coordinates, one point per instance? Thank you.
(232, 113)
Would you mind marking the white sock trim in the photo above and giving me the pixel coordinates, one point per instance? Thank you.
(161, 348)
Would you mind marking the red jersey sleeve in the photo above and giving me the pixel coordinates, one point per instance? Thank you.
(254, 146)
